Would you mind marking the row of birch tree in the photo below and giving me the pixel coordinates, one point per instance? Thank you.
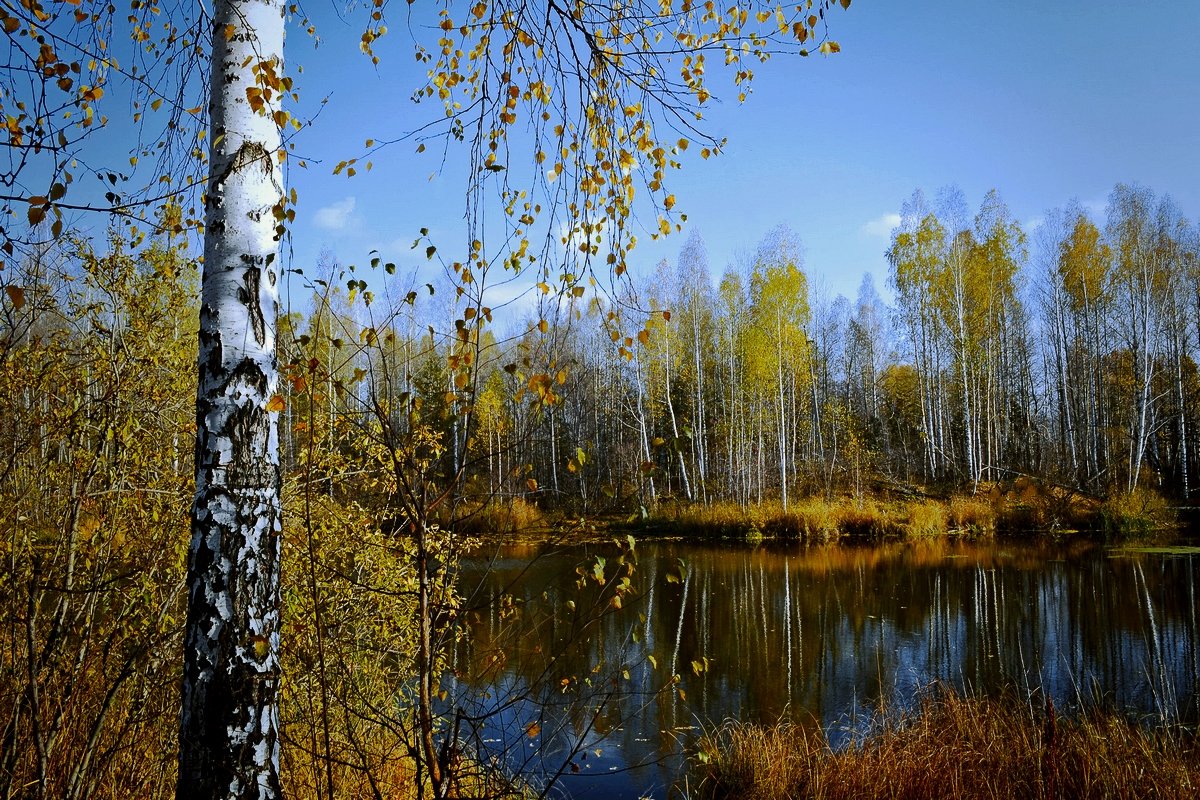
(1063, 350)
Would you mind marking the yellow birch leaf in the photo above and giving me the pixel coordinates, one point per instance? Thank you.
(17, 295)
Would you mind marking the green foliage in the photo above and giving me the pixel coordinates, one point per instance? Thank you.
(348, 647)
(1135, 514)
(96, 415)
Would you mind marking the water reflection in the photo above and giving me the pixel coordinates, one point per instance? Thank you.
(822, 635)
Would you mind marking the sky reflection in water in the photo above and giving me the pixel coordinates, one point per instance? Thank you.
(822, 635)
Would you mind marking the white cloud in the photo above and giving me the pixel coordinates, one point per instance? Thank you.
(1033, 223)
(881, 226)
(335, 217)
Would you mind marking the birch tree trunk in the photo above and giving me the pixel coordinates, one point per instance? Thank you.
(643, 427)
(687, 484)
(229, 737)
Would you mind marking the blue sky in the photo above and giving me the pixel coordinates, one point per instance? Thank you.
(1045, 101)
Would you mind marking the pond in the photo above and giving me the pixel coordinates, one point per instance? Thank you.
(555, 678)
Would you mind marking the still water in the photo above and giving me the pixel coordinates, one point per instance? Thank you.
(556, 679)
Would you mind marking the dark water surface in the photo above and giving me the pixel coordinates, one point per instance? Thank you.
(822, 635)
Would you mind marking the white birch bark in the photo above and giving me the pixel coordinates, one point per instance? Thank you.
(643, 424)
(687, 484)
(229, 739)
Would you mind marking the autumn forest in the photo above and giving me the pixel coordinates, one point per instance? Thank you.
(522, 510)
(1064, 353)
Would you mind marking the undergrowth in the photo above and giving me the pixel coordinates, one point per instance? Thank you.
(1022, 508)
(953, 747)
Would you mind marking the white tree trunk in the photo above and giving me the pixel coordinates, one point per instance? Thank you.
(643, 424)
(229, 738)
(687, 484)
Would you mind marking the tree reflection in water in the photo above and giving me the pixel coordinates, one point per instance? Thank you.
(823, 635)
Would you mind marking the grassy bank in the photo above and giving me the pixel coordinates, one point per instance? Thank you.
(1021, 509)
(953, 748)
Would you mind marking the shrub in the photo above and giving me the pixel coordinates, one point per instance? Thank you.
(1135, 513)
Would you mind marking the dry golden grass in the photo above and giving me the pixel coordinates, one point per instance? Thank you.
(926, 518)
(971, 514)
(1023, 508)
(816, 520)
(868, 519)
(719, 520)
(810, 519)
(956, 748)
(500, 517)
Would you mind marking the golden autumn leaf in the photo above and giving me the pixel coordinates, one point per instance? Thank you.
(276, 404)
(17, 295)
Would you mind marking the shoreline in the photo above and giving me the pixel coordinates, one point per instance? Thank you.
(954, 746)
(1022, 512)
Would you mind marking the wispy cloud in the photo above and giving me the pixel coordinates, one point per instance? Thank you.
(881, 226)
(335, 217)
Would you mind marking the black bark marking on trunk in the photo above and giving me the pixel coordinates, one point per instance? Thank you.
(249, 296)
(210, 341)
(230, 676)
(249, 153)
(228, 681)
(248, 427)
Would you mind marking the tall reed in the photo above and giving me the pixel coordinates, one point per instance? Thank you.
(953, 747)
